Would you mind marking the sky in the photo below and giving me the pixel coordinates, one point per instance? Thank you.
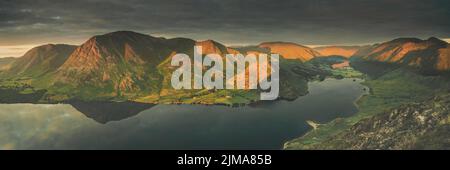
(27, 23)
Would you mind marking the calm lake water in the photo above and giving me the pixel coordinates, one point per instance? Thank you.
(262, 126)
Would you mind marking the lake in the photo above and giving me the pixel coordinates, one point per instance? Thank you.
(136, 126)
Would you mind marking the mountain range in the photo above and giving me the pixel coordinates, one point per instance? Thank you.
(126, 65)
(430, 54)
(139, 48)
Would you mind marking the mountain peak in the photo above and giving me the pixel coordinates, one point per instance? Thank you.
(436, 40)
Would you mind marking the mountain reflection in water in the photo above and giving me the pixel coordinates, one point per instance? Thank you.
(104, 112)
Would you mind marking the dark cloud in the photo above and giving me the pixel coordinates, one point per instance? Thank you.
(229, 21)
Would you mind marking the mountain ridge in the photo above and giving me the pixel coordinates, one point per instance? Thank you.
(430, 55)
(126, 65)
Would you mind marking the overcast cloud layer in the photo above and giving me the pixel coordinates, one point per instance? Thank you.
(228, 21)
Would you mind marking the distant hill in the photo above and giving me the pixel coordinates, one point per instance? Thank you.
(430, 55)
(40, 60)
(344, 51)
(290, 50)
